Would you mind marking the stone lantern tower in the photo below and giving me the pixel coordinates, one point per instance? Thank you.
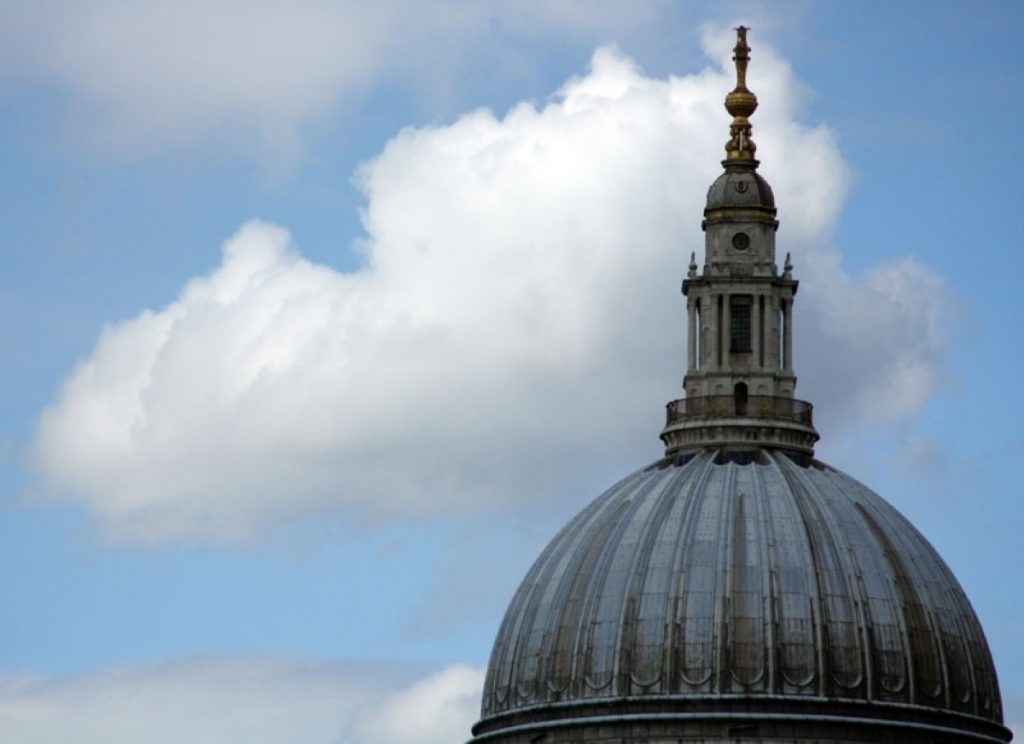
(739, 379)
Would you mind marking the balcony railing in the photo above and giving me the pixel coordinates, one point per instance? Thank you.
(732, 406)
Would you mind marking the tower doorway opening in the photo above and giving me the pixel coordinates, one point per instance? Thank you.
(739, 394)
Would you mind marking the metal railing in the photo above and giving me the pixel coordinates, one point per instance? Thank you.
(732, 406)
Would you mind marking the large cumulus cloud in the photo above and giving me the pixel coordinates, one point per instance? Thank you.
(516, 321)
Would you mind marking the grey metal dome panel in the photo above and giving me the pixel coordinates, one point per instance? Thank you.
(740, 188)
(756, 581)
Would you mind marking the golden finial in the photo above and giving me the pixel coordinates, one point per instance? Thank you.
(741, 103)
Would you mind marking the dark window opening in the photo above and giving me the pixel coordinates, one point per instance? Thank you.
(760, 329)
(782, 334)
(740, 398)
(718, 334)
(739, 324)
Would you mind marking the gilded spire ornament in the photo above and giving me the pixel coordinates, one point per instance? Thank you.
(741, 103)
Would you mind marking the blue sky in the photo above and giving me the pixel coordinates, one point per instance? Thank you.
(446, 316)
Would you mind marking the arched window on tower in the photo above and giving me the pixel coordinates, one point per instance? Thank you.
(739, 395)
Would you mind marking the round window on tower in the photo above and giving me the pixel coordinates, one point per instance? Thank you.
(740, 241)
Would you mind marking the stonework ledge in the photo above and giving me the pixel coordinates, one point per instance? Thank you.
(725, 421)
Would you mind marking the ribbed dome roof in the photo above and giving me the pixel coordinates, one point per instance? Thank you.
(740, 187)
(768, 584)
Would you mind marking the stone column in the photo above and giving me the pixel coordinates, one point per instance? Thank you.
(755, 332)
(787, 343)
(691, 340)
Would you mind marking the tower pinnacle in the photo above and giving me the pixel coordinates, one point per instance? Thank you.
(741, 103)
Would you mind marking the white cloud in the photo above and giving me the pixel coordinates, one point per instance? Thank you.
(885, 332)
(153, 74)
(254, 74)
(257, 700)
(517, 322)
(435, 709)
(922, 455)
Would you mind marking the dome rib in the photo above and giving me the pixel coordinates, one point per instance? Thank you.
(643, 635)
(824, 540)
(679, 578)
(842, 629)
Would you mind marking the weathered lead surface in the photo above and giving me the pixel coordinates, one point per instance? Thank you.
(759, 580)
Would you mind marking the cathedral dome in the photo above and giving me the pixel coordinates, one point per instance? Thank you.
(739, 589)
(704, 594)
